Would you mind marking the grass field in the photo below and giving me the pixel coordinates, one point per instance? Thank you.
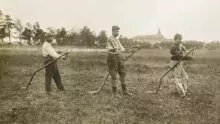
(85, 71)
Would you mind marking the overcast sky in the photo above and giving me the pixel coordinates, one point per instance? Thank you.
(194, 19)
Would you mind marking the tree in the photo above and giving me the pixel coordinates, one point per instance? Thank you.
(71, 38)
(9, 25)
(2, 33)
(38, 33)
(124, 40)
(19, 28)
(62, 35)
(57, 36)
(87, 37)
(29, 26)
(37, 25)
(2, 27)
(41, 35)
(102, 38)
(27, 33)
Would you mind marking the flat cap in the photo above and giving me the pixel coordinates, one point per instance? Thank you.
(115, 27)
(47, 34)
(177, 36)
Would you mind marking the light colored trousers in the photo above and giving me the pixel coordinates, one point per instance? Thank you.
(180, 77)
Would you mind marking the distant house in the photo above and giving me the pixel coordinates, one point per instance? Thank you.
(152, 39)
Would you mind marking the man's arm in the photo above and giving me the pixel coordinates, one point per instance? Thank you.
(51, 51)
(176, 55)
(175, 51)
(127, 51)
(123, 50)
(183, 48)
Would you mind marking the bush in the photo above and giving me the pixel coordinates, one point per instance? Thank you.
(191, 44)
(212, 45)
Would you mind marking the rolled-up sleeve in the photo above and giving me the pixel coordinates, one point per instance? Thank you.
(51, 51)
(183, 48)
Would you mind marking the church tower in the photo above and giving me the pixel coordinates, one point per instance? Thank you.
(158, 32)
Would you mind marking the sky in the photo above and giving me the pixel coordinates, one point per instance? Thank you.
(194, 19)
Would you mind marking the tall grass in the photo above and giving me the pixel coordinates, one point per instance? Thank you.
(84, 71)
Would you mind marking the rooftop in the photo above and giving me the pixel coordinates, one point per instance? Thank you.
(158, 35)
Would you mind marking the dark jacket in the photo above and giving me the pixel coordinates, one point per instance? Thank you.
(175, 50)
(177, 53)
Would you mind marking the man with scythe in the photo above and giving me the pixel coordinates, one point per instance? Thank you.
(51, 71)
(179, 73)
(115, 61)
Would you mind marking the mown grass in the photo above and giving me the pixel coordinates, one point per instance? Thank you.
(83, 72)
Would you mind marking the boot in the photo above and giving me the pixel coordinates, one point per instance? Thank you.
(114, 90)
(124, 90)
(62, 89)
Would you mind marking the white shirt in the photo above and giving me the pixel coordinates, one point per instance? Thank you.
(47, 49)
(116, 43)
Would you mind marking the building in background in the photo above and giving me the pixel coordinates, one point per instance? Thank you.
(152, 39)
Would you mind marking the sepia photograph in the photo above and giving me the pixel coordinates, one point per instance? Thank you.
(109, 62)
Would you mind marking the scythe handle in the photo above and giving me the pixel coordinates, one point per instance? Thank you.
(131, 54)
(109, 73)
(192, 50)
(29, 83)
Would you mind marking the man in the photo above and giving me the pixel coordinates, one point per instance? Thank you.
(115, 62)
(179, 73)
(51, 71)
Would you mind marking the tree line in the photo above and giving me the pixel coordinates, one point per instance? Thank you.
(33, 34)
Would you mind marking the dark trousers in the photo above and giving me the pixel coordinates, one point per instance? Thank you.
(116, 66)
(52, 72)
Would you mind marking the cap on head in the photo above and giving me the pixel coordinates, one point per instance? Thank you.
(178, 37)
(115, 27)
(48, 34)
